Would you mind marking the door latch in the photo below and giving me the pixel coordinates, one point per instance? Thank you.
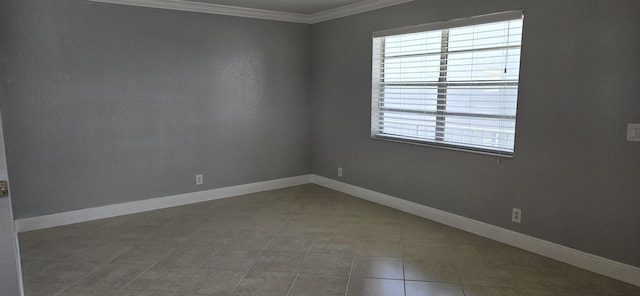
(4, 188)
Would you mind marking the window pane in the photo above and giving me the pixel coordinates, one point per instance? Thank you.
(415, 43)
(487, 65)
(513, 64)
(466, 89)
(410, 98)
(409, 125)
(412, 69)
(480, 132)
(487, 100)
(485, 36)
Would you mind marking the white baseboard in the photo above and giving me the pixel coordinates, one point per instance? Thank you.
(66, 218)
(597, 264)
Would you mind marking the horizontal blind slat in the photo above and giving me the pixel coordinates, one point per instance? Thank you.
(453, 83)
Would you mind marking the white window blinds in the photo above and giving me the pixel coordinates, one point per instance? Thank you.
(451, 84)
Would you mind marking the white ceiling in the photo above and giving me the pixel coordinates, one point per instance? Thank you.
(290, 6)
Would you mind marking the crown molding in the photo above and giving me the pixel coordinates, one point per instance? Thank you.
(215, 9)
(355, 8)
(183, 5)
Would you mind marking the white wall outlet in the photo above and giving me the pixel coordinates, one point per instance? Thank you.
(516, 215)
(199, 179)
(633, 132)
(339, 172)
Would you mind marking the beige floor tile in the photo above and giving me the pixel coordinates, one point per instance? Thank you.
(380, 232)
(42, 289)
(290, 242)
(319, 285)
(31, 267)
(535, 292)
(469, 254)
(301, 227)
(145, 253)
(379, 248)
(65, 273)
(213, 231)
(378, 267)
(427, 250)
(430, 271)
(510, 256)
(279, 261)
(174, 233)
(77, 291)
(423, 235)
(471, 290)
(308, 233)
(61, 234)
(329, 264)
(190, 256)
(269, 225)
(432, 289)
(161, 279)
(543, 278)
(591, 283)
(124, 236)
(375, 287)
(232, 259)
(46, 250)
(101, 252)
(265, 284)
(212, 282)
(485, 276)
(152, 293)
(249, 240)
(342, 224)
(112, 276)
(334, 244)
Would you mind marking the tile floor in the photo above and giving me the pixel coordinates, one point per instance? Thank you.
(305, 240)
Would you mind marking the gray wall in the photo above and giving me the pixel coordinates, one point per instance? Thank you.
(9, 270)
(574, 175)
(108, 103)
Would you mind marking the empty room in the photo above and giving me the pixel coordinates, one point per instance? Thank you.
(319, 148)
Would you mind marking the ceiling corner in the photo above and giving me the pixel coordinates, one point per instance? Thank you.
(194, 6)
(356, 8)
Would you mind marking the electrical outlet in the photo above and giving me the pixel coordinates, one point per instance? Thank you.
(339, 172)
(516, 215)
(199, 179)
(633, 132)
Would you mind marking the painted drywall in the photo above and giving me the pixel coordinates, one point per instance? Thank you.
(10, 275)
(573, 175)
(109, 103)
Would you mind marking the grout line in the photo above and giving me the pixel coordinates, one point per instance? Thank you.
(200, 267)
(315, 237)
(101, 265)
(148, 268)
(353, 262)
(404, 276)
(259, 255)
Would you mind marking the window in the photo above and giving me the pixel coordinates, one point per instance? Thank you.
(452, 84)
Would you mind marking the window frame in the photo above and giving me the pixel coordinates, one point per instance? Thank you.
(442, 84)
